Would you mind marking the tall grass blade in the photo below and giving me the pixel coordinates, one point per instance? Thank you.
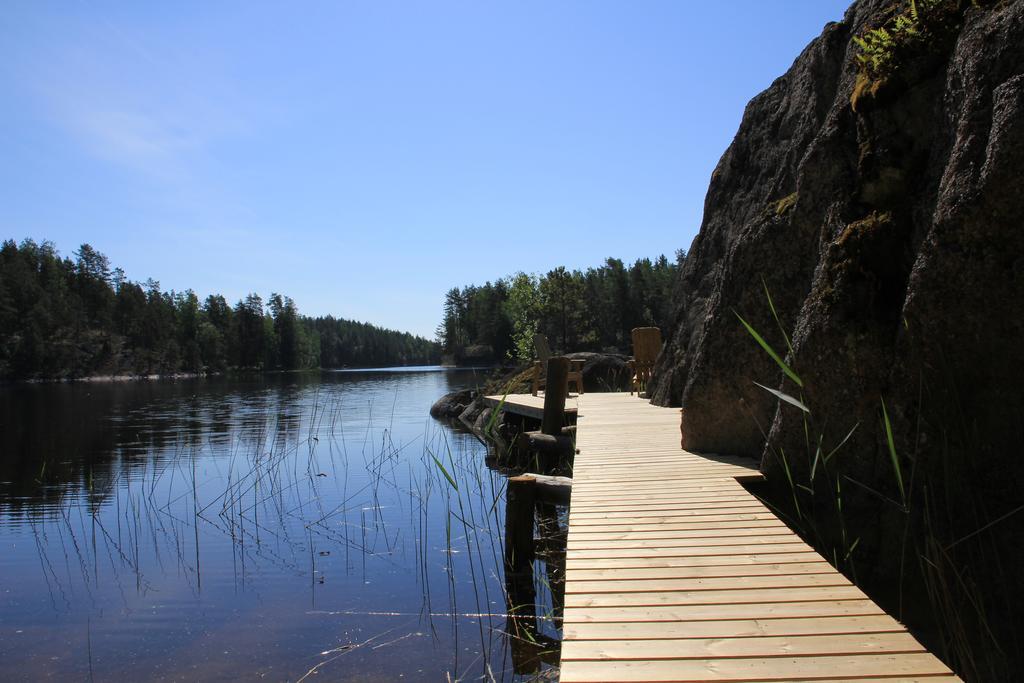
(892, 454)
(785, 397)
(792, 484)
(444, 471)
(775, 315)
(770, 351)
(841, 443)
(817, 457)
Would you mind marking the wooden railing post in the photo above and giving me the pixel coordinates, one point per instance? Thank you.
(554, 396)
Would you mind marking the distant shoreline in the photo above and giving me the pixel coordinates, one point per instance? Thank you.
(153, 377)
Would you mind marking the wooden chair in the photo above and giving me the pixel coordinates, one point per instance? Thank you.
(540, 366)
(646, 347)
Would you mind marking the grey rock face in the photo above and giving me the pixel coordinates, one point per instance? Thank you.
(891, 240)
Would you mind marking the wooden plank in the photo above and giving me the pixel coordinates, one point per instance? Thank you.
(665, 521)
(684, 506)
(745, 596)
(620, 584)
(806, 555)
(688, 551)
(732, 628)
(685, 542)
(641, 458)
(767, 528)
(763, 646)
(662, 498)
(944, 678)
(651, 471)
(668, 527)
(759, 610)
(601, 490)
(758, 668)
(525, 404)
(591, 499)
(668, 510)
(584, 576)
(705, 474)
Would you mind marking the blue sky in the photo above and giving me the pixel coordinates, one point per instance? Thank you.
(364, 157)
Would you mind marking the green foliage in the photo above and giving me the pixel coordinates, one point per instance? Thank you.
(577, 310)
(69, 318)
(523, 310)
(352, 343)
(881, 47)
(924, 26)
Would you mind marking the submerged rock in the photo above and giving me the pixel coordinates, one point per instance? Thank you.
(451, 405)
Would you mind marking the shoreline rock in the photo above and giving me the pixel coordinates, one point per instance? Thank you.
(451, 405)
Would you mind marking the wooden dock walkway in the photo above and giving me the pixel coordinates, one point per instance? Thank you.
(674, 572)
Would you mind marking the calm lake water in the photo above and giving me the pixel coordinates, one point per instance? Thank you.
(273, 528)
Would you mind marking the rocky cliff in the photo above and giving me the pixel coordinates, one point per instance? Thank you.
(884, 216)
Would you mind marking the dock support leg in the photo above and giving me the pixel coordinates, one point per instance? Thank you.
(554, 408)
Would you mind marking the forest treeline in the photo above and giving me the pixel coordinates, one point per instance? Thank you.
(592, 310)
(76, 317)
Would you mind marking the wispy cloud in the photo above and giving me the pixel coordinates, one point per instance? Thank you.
(151, 111)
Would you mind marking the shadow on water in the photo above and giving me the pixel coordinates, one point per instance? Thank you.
(282, 527)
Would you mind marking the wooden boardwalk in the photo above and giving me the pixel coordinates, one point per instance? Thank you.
(674, 572)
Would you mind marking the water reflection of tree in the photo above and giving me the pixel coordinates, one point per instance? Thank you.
(156, 478)
(67, 438)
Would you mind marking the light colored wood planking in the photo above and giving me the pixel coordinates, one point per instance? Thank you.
(600, 490)
(688, 499)
(705, 475)
(928, 678)
(525, 404)
(688, 551)
(765, 646)
(667, 520)
(746, 525)
(639, 489)
(584, 576)
(759, 668)
(732, 628)
(652, 472)
(766, 529)
(744, 596)
(675, 572)
(686, 542)
(626, 506)
(697, 561)
(757, 610)
(618, 584)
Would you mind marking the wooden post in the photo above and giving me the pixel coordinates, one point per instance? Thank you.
(551, 549)
(554, 395)
(520, 498)
(519, 502)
